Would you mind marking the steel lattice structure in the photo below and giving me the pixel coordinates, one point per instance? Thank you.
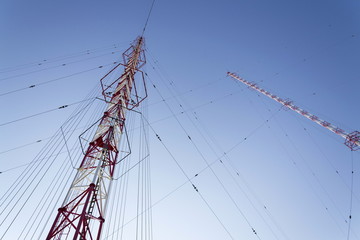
(88, 195)
(352, 140)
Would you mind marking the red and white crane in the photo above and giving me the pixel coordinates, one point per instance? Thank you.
(352, 140)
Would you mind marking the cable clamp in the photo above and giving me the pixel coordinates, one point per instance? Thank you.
(195, 188)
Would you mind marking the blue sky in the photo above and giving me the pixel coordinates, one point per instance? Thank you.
(308, 51)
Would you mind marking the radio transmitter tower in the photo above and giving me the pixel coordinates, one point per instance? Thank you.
(86, 201)
(352, 140)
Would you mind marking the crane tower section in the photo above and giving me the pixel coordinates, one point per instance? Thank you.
(88, 195)
(352, 140)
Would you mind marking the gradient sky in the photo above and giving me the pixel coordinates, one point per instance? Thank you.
(307, 51)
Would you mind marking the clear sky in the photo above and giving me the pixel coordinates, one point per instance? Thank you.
(294, 177)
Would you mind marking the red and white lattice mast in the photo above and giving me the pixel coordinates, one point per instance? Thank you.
(352, 140)
(87, 198)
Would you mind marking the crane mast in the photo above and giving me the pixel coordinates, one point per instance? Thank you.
(88, 195)
(352, 140)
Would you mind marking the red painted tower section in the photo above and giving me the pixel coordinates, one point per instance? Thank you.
(88, 195)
